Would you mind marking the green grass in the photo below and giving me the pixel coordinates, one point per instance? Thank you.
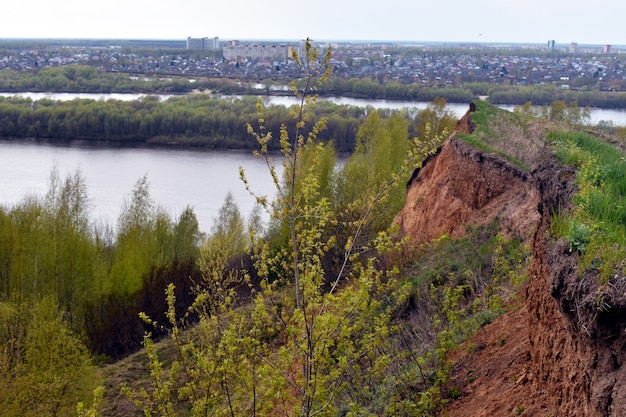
(485, 113)
(455, 287)
(596, 228)
(483, 262)
(452, 289)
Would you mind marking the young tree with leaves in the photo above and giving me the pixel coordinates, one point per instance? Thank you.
(46, 369)
(334, 327)
(311, 340)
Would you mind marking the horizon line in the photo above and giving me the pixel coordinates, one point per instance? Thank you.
(476, 42)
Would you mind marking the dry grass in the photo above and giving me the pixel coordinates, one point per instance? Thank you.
(518, 137)
(521, 141)
(134, 372)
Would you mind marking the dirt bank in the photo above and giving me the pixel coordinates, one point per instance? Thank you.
(561, 348)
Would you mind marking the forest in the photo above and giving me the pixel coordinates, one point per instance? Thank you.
(61, 274)
(196, 120)
(89, 79)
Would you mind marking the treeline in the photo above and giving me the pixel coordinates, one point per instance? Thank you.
(546, 94)
(368, 88)
(89, 79)
(72, 291)
(195, 120)
(101, 279)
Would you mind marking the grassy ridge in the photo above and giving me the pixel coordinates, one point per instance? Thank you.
(596, 228)
(514, 136)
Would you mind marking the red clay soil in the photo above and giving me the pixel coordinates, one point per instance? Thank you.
(561, 351)
(462, 186)
(493, 373)
(557, 354)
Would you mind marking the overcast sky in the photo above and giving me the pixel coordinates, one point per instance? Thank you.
(528, 21)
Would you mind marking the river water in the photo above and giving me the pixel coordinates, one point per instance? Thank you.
(177, 178)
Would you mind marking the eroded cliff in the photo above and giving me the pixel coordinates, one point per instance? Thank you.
(576, 327)
(557, 352)
(461, 186)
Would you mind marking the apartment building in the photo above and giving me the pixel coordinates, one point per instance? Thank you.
(235, 49)
(203, 43)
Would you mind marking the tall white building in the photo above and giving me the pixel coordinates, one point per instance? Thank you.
(203, 43)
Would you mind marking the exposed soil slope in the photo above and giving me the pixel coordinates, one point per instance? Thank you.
(461, 186)
(576, 328)
(557, 352)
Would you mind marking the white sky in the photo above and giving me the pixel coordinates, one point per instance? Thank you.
(528, 21)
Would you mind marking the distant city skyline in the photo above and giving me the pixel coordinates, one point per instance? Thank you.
(485, 21)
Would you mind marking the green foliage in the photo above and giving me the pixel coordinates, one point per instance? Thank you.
(229, 227)
(435, 120)
(545, 94)
(328, 320)
(197, 120)
(382, 146)
(159, 400)
(370, 186)
(313, 339)
(307, 319)
(49, 247)
(596, 227)
(136, 246)
(579, 237)
(454, 288)
(558, 111)
(83, 411)
(87, 79)
(72, 252)
(210, 367)
(46, 368)
(512, 135)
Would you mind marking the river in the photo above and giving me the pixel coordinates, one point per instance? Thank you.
(177, 178)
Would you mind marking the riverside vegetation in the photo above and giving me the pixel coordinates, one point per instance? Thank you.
(193, 121)
(323, 312)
